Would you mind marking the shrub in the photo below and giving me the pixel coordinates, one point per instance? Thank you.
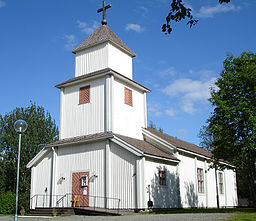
(7, 203)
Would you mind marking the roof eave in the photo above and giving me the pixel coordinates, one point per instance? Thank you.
(80, 141)
(131, 53)
(107, 71)
(161, 158)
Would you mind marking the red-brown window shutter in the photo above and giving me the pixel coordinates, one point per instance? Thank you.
(128, 96)
(84, 94)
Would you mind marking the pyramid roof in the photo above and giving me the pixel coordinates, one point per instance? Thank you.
(101, 35)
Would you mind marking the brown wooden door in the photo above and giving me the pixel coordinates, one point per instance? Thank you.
(79, 189)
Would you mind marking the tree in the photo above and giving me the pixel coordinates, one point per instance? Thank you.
(231, 129)
(41, 130)
(179, 12)
(153, 126)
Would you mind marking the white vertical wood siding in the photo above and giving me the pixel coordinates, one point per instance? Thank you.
(91, 59)
(119, 61)
(103, 56)
(212, 199)
(123, 177)
(162, 196)
(81, 158)
(189, 193)
(230, 189)
(42, 179)
(82, 119)
(188, 187)
(127, 120)
(201, 196)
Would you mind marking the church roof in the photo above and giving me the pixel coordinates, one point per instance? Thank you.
(142, 145)
(95, 73)
(81, 139)
(180, 143)
(101, 35)
(146, 147)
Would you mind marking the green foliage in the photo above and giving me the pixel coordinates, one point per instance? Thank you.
(152, 125)
(179, 12)
(7, 203)
(41, 130)
(231, 129)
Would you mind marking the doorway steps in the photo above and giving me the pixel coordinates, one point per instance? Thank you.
(66, 211)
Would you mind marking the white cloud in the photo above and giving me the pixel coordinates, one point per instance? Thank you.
(168, 72)
(2, 3)
(134, 27)
(210, 11)
(88, 28)
(70, 41)
(190, 92)
(170, 112)
(154, 109)
(143, 10)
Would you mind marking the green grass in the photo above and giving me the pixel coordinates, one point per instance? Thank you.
(243, 216)
(204, 210)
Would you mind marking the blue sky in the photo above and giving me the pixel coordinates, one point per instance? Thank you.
(37, 37)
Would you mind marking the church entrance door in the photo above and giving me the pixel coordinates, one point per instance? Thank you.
(80, 186)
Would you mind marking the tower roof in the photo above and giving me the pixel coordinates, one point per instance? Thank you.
(101, 35)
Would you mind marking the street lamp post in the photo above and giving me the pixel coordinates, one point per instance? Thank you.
(20, 127)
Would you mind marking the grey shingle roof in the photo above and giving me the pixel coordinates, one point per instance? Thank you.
(102, 135)
(180, 143)
(146, 147)
(142, 145)
(103, 34)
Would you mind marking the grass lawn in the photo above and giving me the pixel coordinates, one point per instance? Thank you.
(204, 210)
(243, 216)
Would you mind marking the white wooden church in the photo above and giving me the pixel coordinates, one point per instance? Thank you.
(106, 154)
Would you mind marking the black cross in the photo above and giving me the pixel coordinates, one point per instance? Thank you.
(104, 8)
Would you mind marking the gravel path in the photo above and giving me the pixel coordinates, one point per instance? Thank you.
(168, 217)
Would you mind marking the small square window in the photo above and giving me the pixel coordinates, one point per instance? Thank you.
(162, 177)
(128, 96)
(84, 95)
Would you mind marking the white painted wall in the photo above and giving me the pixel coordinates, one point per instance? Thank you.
(188, 186)
(119, 61)
(123, 176)
(230, 188)
(91, 59)
(127, 120)
(102, 56)
(82, 119)
(81, 158)
(162, 196)
(212, 198)
(41, 180)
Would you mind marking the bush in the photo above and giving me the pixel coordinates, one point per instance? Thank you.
(7, 203)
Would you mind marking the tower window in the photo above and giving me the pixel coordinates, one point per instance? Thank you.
(128, 96)
(84, 95)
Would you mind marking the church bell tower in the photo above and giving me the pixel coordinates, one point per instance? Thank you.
(103, 95)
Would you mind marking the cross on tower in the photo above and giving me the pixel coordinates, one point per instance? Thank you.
(104, 8)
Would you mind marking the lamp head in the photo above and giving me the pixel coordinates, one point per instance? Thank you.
(20, 126)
